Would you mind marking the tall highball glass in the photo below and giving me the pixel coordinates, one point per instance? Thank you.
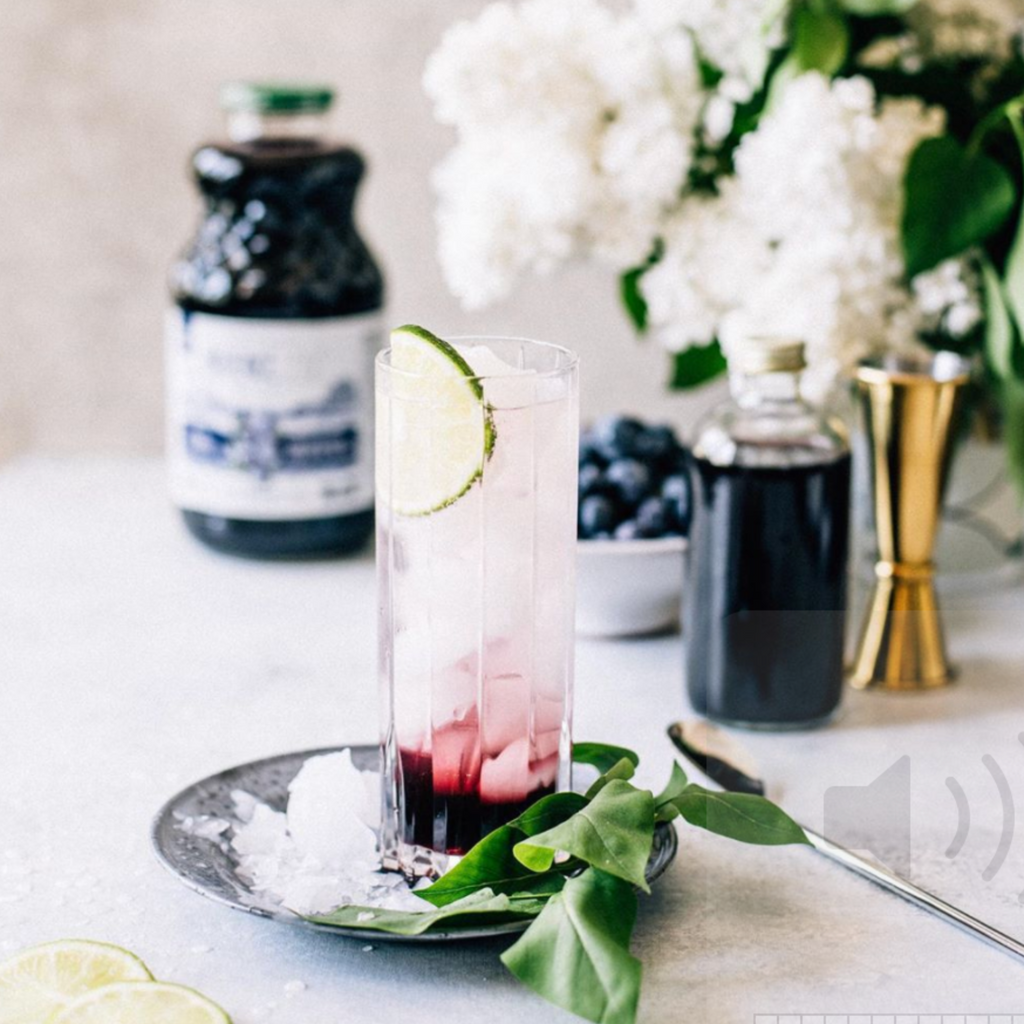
(476, 592)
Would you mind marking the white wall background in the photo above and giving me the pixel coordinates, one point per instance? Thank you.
(101, 102)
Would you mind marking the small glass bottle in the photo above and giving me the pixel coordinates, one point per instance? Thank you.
(766, 577)
(271, 342)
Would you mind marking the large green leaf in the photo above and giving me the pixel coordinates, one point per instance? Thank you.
(876, 8)
(602, 755)
(613, 832)
(480, 908)
(547, 812)
(1014, 274)
(1000, 334)
(1013, 427)
(492, 864)
(740, 816)
(576, 954)
(820, 41)
(697, 365)
(955, 198)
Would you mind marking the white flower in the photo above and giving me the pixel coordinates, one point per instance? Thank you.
(987, 29)
(719, 115)
(519, 62)
(736, 36)
(948, 298)
(805, 240)
(575, 132)
(709, 259)
(509, 204)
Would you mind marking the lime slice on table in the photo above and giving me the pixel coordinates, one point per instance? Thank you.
(434, 430)
(44, 979)
(132, 1002)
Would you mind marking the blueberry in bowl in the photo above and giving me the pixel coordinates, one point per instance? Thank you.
(634, 515)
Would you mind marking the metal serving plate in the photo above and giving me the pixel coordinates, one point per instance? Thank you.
(208, 866)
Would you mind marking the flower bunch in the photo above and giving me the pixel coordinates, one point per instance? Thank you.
(848, 171)
(804, 239)
(575, 127)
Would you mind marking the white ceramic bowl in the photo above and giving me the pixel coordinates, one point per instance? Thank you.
(628, 587)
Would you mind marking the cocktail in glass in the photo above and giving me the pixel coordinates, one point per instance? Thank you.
(476, 528)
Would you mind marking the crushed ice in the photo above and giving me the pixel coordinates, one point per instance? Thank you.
(203, 827)
(319, 854)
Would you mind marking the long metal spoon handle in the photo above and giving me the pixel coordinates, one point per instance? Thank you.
(901, 887)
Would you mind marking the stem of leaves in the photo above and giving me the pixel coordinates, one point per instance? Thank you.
(576, 951)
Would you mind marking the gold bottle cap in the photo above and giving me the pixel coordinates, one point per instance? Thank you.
(769, 354)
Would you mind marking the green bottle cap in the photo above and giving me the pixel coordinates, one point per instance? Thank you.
(275, 97)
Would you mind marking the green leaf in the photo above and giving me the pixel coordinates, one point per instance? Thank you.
(710, 74)
(697, 365)
(740, 816)
(481, 908)
(624, 770)
(530, 902)
(1014, 273)
(633, 298)
(1013, 428)
(613, 832)
(602, 756)
(630, 291)
(547, 812)
(491, 864)
(576, 954)
(955, 198)
(821, 41)
(876, 8)
(665, 808)
(1000, 336)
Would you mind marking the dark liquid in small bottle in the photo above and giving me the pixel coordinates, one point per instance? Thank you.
(767, 591)
(278, 241)
(452, 822)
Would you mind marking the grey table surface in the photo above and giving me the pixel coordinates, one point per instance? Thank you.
(133, 661)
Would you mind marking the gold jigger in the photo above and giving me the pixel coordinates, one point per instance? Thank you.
(912, 410)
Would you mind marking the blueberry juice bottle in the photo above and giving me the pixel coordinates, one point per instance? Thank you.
(766, 574)
(271, 340)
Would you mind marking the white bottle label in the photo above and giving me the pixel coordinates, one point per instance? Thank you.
(271, 419)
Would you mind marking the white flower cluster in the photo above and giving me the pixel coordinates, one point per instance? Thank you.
(804, 240)
(989, 29)
(575, 130)
(734, 36)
